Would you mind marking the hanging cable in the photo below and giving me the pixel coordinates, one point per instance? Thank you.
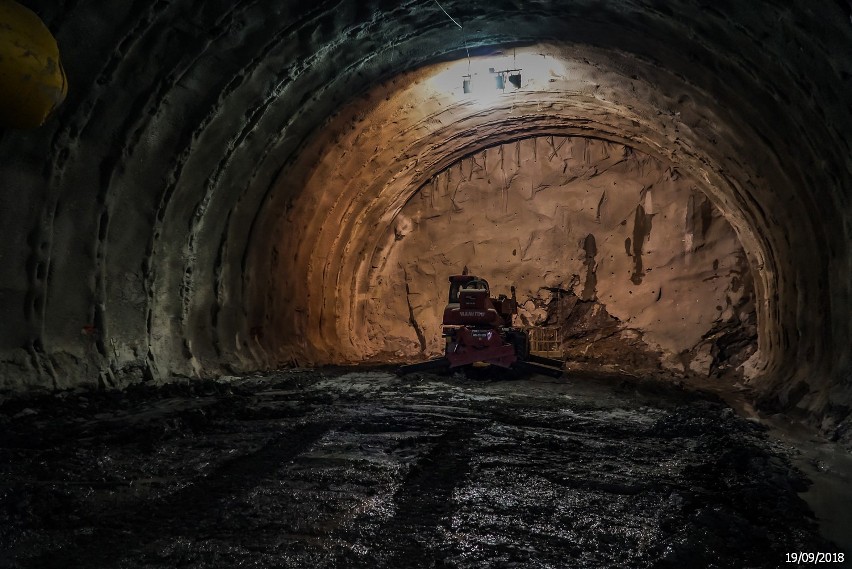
(445, 12)
(464, 36)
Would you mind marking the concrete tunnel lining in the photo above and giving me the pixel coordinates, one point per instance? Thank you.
(149, 218)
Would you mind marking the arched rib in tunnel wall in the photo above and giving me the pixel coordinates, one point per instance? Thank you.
(358, 188)
(146, 208)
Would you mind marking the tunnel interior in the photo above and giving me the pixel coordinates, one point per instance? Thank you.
(237, 196)
(518, 195)
(239, 187)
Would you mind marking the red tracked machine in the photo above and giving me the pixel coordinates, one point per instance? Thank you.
(478, 329)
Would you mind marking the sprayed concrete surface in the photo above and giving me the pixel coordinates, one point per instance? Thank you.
(210, 198)
(363, 469)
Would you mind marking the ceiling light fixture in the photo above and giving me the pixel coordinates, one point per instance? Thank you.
(513, 76)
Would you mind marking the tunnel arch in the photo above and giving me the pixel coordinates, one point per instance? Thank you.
(777, 336)
(473, 209)
(566, 116)
(141, 211)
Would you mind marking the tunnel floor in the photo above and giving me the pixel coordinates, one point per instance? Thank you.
(337, 468)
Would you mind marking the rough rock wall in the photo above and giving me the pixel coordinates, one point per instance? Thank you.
(591, 218)
(137, 223)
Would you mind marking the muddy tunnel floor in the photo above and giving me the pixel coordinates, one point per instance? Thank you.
(364, 469)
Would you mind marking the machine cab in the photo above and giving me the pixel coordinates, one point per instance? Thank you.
(468, 291)
(470, 304)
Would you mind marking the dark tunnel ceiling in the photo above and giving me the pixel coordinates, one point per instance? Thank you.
(141, 220)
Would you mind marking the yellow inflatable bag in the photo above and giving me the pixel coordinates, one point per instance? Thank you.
(32, 81)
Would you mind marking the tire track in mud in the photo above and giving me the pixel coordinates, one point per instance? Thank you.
(424, 501)
(435, 475)
(194, 510)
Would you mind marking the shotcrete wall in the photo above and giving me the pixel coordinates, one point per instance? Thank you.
(205, 198)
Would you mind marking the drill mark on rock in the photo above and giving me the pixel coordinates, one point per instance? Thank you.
(587, 151)
(591, 249)
(641, 231)
(477, 167)
(555, 148)
(525, 249)
(600, 207)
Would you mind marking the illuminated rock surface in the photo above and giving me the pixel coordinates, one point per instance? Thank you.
(223, 176)
(239, 186)
(577, 218)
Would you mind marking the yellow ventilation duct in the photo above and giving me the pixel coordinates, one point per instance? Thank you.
(32, 81)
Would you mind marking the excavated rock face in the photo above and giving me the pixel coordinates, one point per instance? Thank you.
(626, 243)
(225, 179)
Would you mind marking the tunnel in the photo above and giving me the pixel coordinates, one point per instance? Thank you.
(233, 189)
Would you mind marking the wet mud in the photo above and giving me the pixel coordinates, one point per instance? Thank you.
(363, 469)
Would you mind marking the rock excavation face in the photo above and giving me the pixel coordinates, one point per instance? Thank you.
(357, 262)
(601, 241)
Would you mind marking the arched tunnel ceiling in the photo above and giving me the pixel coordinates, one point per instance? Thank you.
(355, 189)
(141, 220)
(617, 253)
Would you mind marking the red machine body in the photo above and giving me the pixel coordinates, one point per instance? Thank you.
(478, 328)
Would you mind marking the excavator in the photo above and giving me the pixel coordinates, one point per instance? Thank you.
(478, 329)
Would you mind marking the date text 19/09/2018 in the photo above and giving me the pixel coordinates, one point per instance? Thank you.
(807, 557)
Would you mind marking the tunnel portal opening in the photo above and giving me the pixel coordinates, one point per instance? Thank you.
(617, 252)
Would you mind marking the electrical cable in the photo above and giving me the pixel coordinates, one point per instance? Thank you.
(464, 36)
(445, 12)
